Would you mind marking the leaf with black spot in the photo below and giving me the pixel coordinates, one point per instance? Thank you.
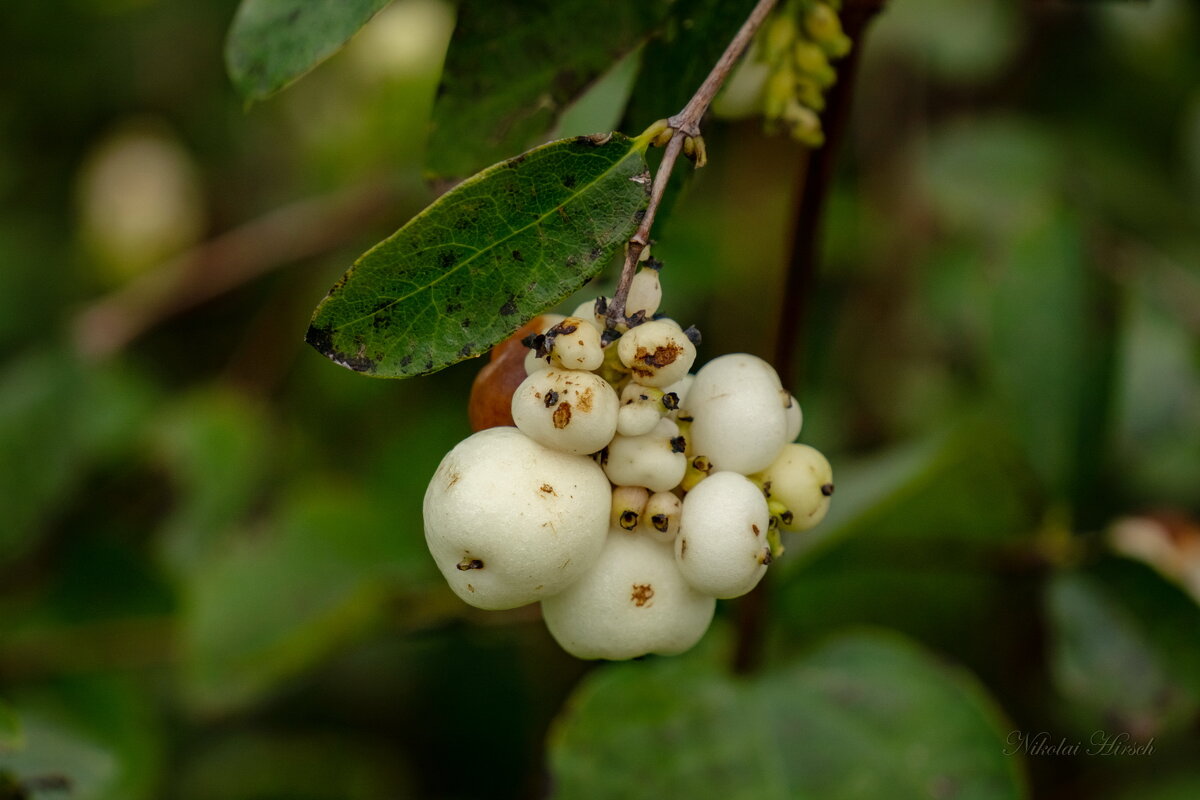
(500, 248)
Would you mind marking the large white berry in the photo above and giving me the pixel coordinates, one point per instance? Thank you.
(633, 601)
(802, 480)
(654, 460)
(722, 545)
(739, 419)
(795, 418)
(509, 521)
(570, 410)
(657, 353)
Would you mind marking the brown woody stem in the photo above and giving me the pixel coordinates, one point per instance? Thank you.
(801, 273)
(684, 125)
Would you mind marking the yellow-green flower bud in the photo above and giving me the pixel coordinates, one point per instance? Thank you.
(809, 93)
(778, 38)
(781, 87)
(811, 61)
(803, 124)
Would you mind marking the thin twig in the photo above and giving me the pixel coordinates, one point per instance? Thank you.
(286, 235)
(685, 124)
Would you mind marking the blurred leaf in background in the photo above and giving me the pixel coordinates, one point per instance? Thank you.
(273, 42)
(864, 715)
(513, 66)
(213, 580)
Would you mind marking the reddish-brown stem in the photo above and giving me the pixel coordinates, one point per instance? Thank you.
(802, 269)
(684, 125)
(641, 238)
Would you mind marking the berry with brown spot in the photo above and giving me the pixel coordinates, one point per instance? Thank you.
(490, 403)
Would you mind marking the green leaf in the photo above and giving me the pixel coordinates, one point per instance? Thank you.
(676, 61)
(964, 488)
(273, 42)
(311, 580)
(514, 65)
(864, 716)
(497, 250)
(1158, 429)
(41, 451)
(217, 447)
(292, 764)
(1125, 647)
(56, 416)
(674, 64)
(118, 713)
(11, 737)
(1051, 351)
(930, 526)
(1181, 785)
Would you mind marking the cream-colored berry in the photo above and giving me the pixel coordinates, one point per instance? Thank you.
(680, 389)
(570, 410)
(657, 353)
(654, 460)
(587, 311)
(633, 601)
(802, 480)
(628, 504)
(575, 344)
(660, 517)
(533, 362)
(738, 418)
(794, 416)
(509, 521)
(645, 293)
(722, 545)
(641, 409)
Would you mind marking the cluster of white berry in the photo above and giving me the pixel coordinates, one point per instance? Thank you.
(630, 494)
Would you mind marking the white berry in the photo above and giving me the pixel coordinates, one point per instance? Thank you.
(641, 409)
(587, 311)
(645, 293)
(570, 410)
(574, 344)
(658, 353)
(660, 517)
(654, 460)
(722, 545)
(509, 521)
(633, 601)
(794, 415)
(802, 480)
(739, 422)
(680, 389)
(533, 362)
(628, 504)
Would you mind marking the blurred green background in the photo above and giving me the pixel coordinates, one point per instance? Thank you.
(213, 581)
